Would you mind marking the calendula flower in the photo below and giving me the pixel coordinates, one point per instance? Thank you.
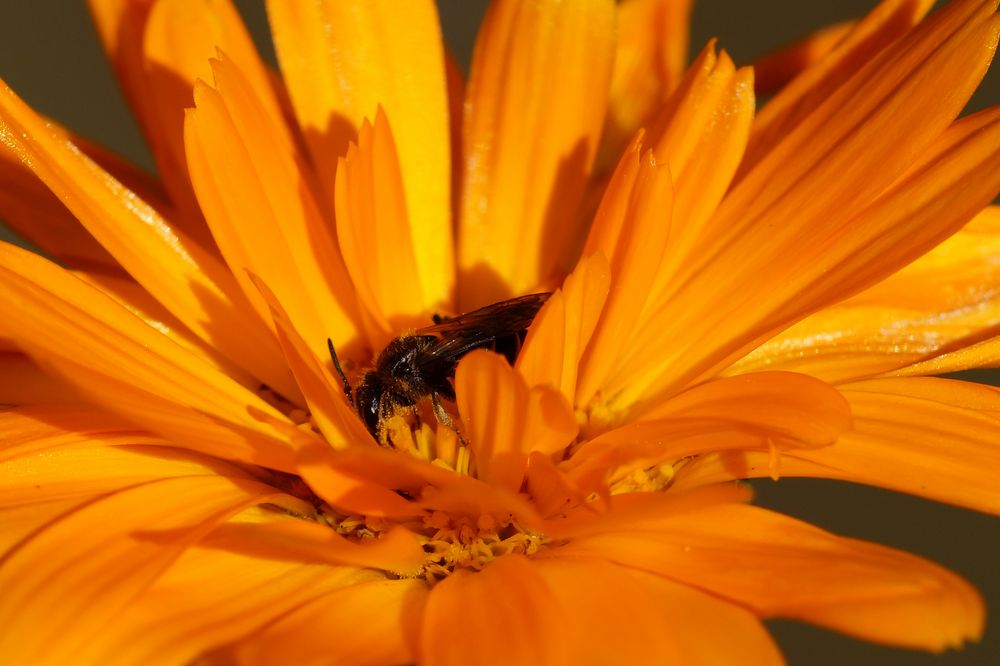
(735, 293)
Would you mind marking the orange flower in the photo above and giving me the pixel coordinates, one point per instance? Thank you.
(735, 294)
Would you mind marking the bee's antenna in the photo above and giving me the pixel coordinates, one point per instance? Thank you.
(340, 371)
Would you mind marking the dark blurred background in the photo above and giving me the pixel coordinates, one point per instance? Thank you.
(51, 57)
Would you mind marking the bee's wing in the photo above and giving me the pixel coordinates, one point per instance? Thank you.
(455, 337)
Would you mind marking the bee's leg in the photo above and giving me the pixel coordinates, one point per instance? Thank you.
(445, 418)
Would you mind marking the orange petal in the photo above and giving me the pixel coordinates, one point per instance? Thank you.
(879, 121)
(649, 63)
(346, 489)
(212, 596)
(37, 215)
(186, 279)
(631, 229)
(375, 235)
(120, 362)
(536, 101)
(333, 415)
(666, 623)
(89, 469)
(700, 134)
(905, 430)
(36, 428)
(341, 61)
(984, 354)
(807, 250)
(138, 301)
(783, 410)
(868, 37)
(946, 299)
(23, 382)
(505, 614)
(307, 541)
(563, 327)
(384, 617)
(774, 70)
(254, 190)
(780, 567)
(179, 38)
(121, 26)
(506, 421)
(106, 552)
(909, 429)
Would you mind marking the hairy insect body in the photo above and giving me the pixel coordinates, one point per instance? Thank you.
(422, 364)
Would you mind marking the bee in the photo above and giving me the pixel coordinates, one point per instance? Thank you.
(422, 364)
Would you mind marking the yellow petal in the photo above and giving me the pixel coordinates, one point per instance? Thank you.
(562, 329)
(535, 104)
(253, 188)
(868, 37)
(505, 614)
(649, 62)
(666, 622)
(505, 420)
(106, 553)
(117, 360)
(780, 567)
(375, 236)
(946, 299)
(341, 61)
(186, 279)
(384, 616)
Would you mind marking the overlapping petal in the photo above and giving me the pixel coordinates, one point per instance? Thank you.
(650, 59)
(197, 288)
(258, 200)
(780, 567)
(931, 437)
(667, 623)
(376, 237)
(107, 552)
(839, 247)
(534, 108)
(941, 303)
(506, 420)
(341, 61)
(217, 593)
(198, 515)
(117, 360)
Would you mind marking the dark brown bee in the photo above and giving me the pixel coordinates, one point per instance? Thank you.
(422, 364)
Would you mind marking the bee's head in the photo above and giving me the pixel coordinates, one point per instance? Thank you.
(367, 397)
